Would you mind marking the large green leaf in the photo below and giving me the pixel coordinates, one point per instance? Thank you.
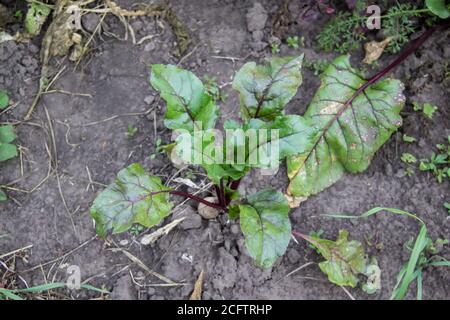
(266, 227)
(441, 8)
(186, 98)
(344, 259)
(266, 89)
(351, 123)
(132, 198)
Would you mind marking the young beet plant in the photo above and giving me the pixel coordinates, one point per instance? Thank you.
(347, 121)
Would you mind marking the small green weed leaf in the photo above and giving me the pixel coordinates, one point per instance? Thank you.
(4, 99)
(36, 16)
(428, 110)
(266, 89)
(373, 273)
(266, 227)
(344, 259)
(409, 139)
(186, 98)
(131, 198)
(408, 158)
(292, 42)
(7, 151)
(439, 8)
(447, 206)
(7, 134)
(351, 123)
(3, 196)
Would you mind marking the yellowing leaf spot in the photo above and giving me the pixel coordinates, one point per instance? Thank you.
(331, 108)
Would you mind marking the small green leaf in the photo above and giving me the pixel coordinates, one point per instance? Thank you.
(266, 227)
(4, 99)
(439, 8)
(266, 89)
(373, 273)
(189, 106)
(132, 198)
(3, 196)
(233, 212)
(7, 134)
(408, 158)
(429, 109)
(36, 15)
(409, 139)
(7, 151)
(344, 259)
(447, 206)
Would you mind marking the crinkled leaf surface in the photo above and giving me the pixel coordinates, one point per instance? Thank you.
(270, 142)
(344, 259)
(351, 126)
(4, 99)
(268, 87)
(186, 98)
(266, 227)
(130, 199)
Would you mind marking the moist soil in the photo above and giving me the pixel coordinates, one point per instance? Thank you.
(76, 142)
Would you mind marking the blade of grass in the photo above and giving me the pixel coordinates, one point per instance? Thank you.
(375, 211)
(439, 264)
(89, 287)
(419, 246)
(42, 287)
(56, 285)
(8, 294)
(419, 286)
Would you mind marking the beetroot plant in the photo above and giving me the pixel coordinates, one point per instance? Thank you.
(348, 120)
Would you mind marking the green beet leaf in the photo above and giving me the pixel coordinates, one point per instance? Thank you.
(439, 8)
(189, 106)
(130, 199)
(351, 126)
(344, 259)
(266, 227)
(266, 89)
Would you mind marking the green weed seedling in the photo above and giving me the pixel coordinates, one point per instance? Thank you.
(424, 254)
(347, 30)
